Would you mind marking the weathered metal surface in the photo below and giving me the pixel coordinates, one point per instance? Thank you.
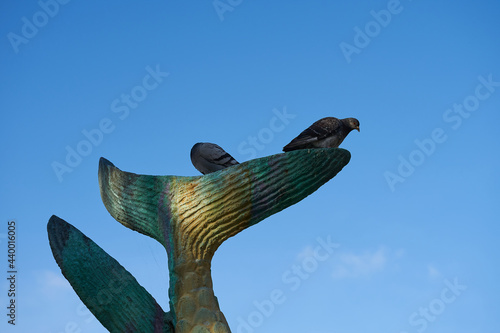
(110, 292)
(192, 216)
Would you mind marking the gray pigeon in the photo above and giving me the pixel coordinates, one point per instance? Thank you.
(209, 157)
(328, 132)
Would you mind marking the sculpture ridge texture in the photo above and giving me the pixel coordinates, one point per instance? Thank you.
(191, 217)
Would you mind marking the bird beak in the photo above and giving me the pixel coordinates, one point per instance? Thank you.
(358, 129)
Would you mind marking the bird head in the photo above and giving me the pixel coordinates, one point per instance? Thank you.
(352, 123)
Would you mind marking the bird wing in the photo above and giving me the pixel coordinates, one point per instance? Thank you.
(319, 130)
(215, 154)
(209, 157)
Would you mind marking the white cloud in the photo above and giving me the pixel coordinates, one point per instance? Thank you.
(52, 284)
(433, 272)
(352, 265)
(308, 251)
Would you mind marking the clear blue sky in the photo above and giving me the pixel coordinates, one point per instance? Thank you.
(413, 213)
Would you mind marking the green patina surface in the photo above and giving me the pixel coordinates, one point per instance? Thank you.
(190, 217)
(110, 292)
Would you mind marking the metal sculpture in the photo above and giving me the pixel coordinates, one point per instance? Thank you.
(191, 217)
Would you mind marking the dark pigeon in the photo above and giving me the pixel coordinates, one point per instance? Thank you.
(328, 132)
(209, 157)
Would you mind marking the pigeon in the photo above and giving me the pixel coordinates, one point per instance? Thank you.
(209, 157)
(327, 132)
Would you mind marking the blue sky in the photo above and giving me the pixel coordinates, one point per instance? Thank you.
(413, 216)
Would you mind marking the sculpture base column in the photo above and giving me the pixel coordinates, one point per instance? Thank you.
(192, 299)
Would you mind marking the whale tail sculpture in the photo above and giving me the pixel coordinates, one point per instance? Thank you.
(110, 292)
(191, 217)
